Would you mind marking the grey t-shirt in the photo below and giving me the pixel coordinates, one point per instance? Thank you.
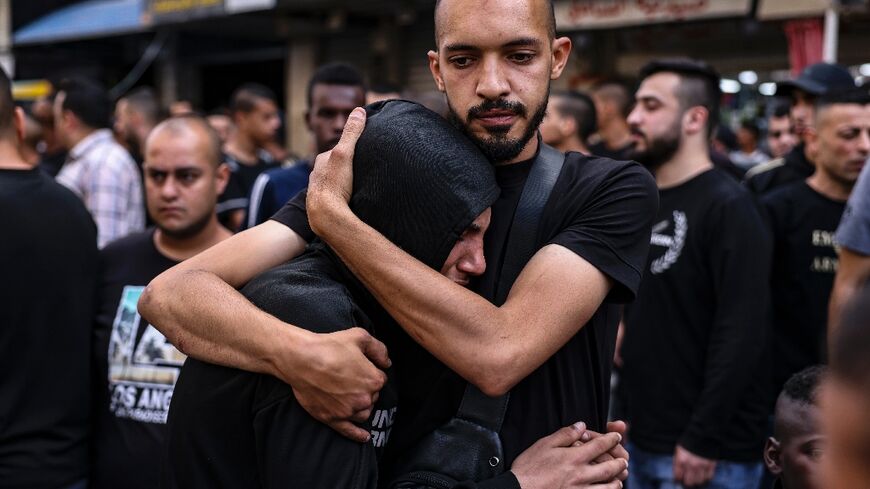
(854, 230)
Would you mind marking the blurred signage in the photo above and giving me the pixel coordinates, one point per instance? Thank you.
(790, 9)
(160, 11)
(602, 14)
(30, 89)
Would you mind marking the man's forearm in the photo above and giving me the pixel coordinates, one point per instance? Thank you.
(491, 347)
(207, 319)
(853, 271)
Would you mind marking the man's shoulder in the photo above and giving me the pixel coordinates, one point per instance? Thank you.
(290, 173)
(724, 190)
(583, 169)
(788, 192)
(130, 246)
(52, 194)
(764, 168)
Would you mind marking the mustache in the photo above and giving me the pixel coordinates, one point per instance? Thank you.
(516, 107)
(636, 132)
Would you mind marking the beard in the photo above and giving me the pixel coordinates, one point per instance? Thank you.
(498, 147)
(659, 150)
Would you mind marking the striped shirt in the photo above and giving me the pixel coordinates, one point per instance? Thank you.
(105, 177)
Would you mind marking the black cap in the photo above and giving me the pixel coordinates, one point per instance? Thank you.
(818, 79)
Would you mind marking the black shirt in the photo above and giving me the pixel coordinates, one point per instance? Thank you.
(792, 167)
(600, 209)
(602, 150)
(234, 429)
(803, 223)
(694, 339)
(136, 368)
(48, 254)
(242, 177)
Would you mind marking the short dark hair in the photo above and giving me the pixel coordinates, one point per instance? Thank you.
(780, 110)
(581, 108)
(618, 91)
(551, 23)
(7, 104)
(244, 99)
(857, 96)
(803, 386)
(752, 127)
(88, 100)
(144, 101)
(699, 84)
(849, 360)
(335, 74)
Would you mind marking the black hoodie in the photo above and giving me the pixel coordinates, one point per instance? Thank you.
(418, 182)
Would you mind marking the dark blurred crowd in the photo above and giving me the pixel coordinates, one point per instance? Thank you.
(718, 362)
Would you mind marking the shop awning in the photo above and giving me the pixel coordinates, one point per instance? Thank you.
(89, 19)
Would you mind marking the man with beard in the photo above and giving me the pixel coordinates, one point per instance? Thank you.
(228, 427)
(137, 367)
(550, 343)
(694, 339)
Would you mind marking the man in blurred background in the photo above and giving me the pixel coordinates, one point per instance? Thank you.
(98, 169)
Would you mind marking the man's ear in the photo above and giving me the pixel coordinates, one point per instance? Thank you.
(18, 122)
(435, 69)
(222, 177)
(695, 120)
(811, 139)
(561, 51)
(773, 455)
(568, 126)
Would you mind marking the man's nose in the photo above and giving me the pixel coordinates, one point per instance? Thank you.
(473, 263)
(634, 117)
(864, 143)
(493, 84)
(169, 189)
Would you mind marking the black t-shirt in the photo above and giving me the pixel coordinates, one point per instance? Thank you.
(803, 222)
(230, 429)
(694, 341)
(602, 150)
(600, 209)
(135, 367)
(48, 254)
(242, 177)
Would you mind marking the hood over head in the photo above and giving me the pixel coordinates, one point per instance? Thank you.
(418, 180)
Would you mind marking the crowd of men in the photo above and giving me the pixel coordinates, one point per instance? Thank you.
(720, 284)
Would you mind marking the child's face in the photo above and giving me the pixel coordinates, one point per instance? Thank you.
(796, 452)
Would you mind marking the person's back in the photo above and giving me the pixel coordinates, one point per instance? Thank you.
(48, 255)
(263, 410)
